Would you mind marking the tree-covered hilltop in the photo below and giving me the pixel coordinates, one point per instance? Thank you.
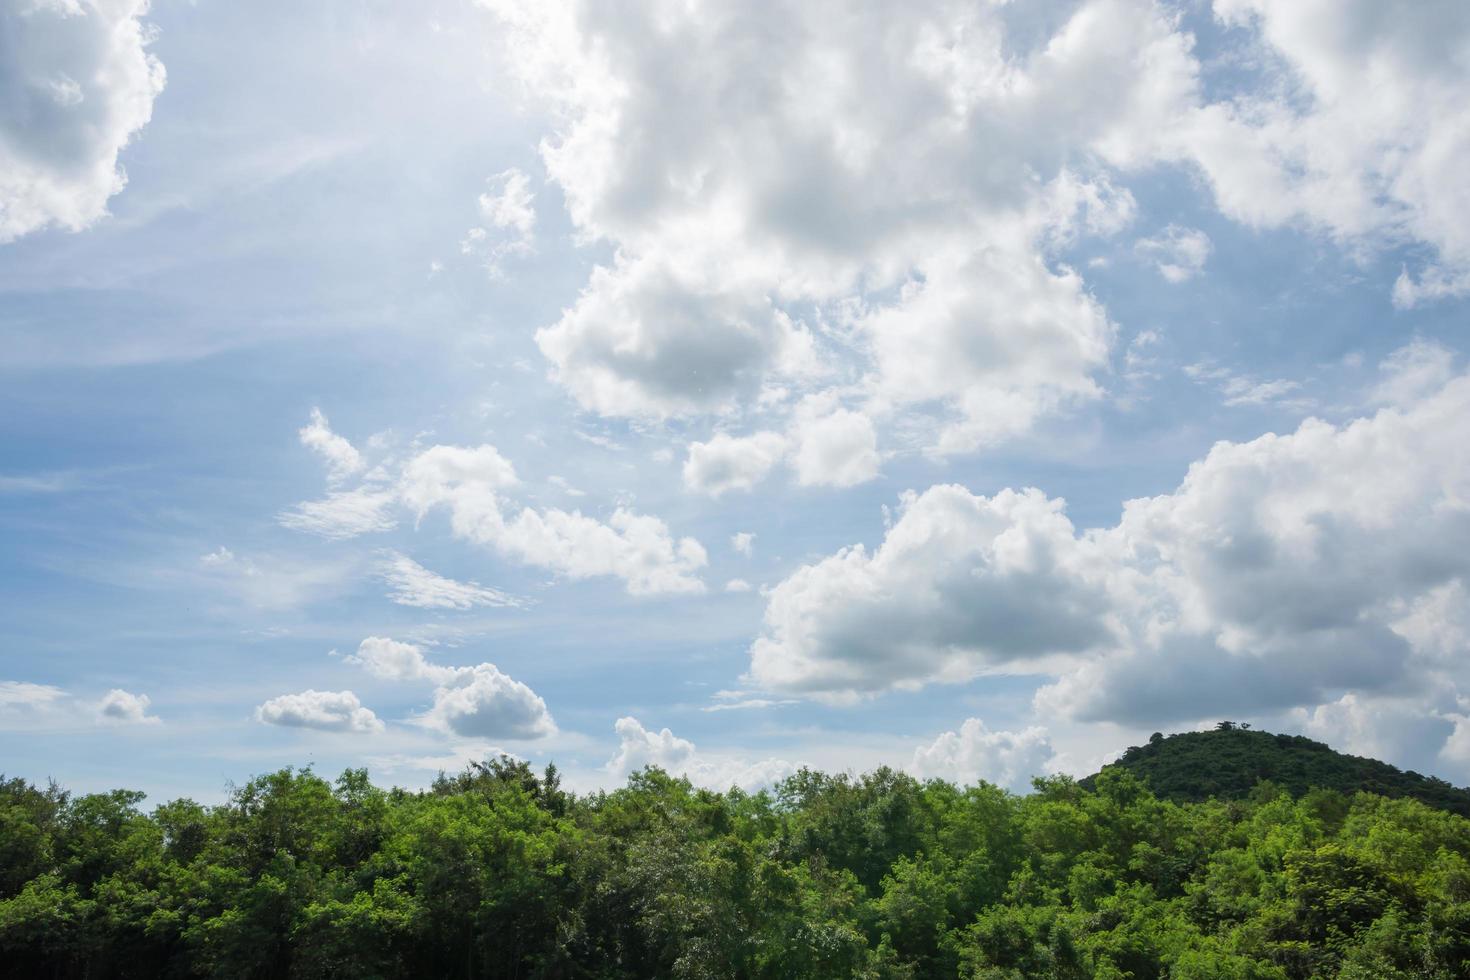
(498, 872)
(1228, 762)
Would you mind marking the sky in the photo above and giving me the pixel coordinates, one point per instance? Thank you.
(967, 386)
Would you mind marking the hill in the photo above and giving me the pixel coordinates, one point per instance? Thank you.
(1228, 762)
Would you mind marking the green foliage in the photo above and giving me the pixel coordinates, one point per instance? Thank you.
(499, 872)
(1228, 762)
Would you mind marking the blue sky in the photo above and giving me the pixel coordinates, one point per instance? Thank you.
(728, 387)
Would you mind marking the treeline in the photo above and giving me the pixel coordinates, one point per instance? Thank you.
(1229, 761)
(498, 872)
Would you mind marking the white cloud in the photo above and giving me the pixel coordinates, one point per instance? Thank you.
(960, 583)
(995, 334)
(508, 209)
(414, 585)
(827, 445)
(79, 84)
(915, 203)
(478, 701)
(510, 206)
(741, 542)
(1241, 389)
(471, 483)
(333, 711)
(1178, 253)
(1414, 370)
(646, 340)
(341, 457)
(638, 747)
(343, 514)
(1283, 572)
(29, 709)
(269, 581)
(1399, 730)
(882, 199)
(481, 701)
(392, 660)
(1360, 129)
(635, 548)
(727, 463)
(737, 585)
(832, 446)
(23, 694)
(120, 707)
(1007, 759)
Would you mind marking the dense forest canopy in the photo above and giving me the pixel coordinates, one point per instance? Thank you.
(499, 872)
(1228, 763)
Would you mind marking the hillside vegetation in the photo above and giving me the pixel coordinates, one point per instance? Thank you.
(497, 872)
(1228, 762)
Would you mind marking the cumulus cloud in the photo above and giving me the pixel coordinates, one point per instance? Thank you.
(481, 701)
(742, 542)
(120, 707)
(392, 660)
(915, 205)
(1178, 253)
(960, 583)
(79, 84)
(886, 197)
(473, 485)
(727, 463)
(414, 585)
(635, 548)
(332, 711)
(832, 446)
(1400, 729)
(826, 445)
(975, 753)
(478, 701)
(1360, 130)
(1283, 572)
(639, 747)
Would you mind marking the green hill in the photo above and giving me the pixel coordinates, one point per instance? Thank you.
(1228, 762)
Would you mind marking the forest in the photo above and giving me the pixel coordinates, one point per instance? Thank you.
(497, 871)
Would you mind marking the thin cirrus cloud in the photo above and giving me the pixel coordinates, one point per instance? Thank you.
(473, 485)
(1179, 254)
(414, 585)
